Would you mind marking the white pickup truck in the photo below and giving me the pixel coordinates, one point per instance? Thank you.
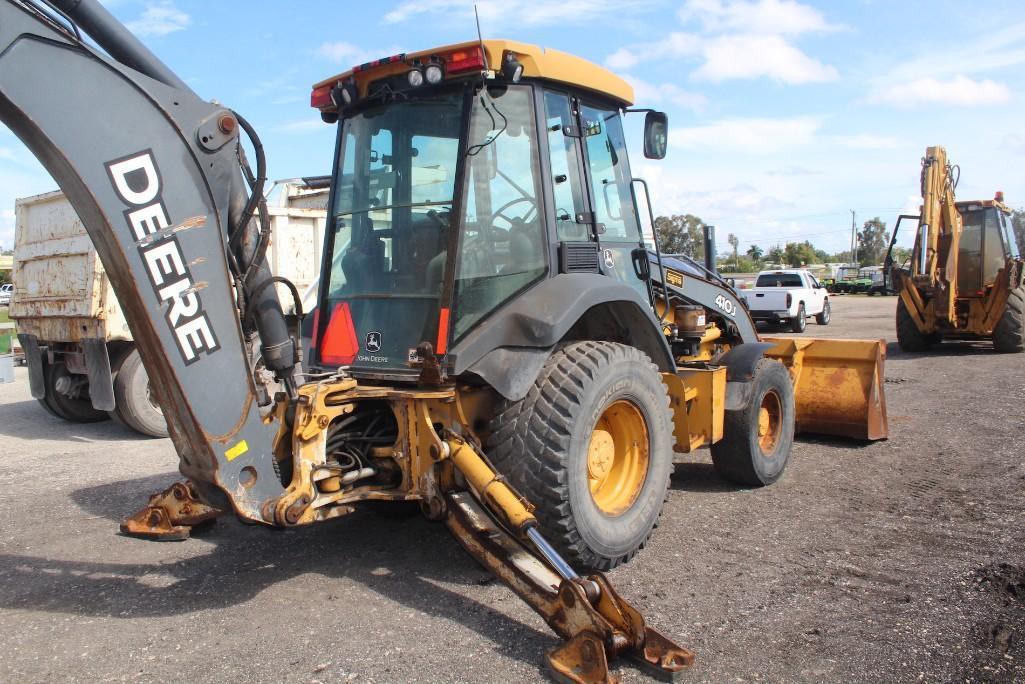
(789, 296)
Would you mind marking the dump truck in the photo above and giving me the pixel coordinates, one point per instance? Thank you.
(493, 339)
(66, 302)
(965, 277)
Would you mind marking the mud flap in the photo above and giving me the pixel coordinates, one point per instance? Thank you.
(838, 385)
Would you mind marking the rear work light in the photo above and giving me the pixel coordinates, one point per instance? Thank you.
(465, 60)
(321, 97)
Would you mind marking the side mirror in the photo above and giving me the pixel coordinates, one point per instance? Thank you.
(656, 135)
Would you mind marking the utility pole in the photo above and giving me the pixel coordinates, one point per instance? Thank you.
(854, 239)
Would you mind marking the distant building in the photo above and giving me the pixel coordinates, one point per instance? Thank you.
(6, 265)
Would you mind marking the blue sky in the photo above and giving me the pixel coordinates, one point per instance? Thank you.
(784, 115)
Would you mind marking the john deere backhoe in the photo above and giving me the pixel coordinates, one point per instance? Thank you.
(494, 340)
(965, 278)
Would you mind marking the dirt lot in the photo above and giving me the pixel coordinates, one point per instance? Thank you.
(901, 560)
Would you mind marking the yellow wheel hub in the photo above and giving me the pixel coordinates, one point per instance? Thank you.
(770, 423)
(617, 458)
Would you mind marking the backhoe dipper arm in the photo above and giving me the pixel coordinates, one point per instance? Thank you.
(153, 172)
(934, 261)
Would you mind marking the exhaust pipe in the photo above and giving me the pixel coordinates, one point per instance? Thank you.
(709, 232)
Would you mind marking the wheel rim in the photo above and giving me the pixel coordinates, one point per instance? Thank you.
(770, 423)
(617, 458)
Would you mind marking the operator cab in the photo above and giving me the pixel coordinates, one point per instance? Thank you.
(453, 193)
(987, 243)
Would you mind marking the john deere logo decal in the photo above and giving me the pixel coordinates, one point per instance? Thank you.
(373, 342)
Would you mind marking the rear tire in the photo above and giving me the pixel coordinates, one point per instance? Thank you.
(799, 322)
(822, 318)
(75, 410)
(757, 439)
(1009, 333)
(909, 337)
(132, 401)
(575, 448)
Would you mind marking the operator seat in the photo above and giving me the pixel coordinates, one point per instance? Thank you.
(363, 264)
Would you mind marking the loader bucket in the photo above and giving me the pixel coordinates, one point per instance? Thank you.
(838, 385)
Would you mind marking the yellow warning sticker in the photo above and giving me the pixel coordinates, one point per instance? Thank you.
(674, 278)
(237, 450)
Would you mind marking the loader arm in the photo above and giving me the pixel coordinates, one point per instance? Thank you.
(153, 172)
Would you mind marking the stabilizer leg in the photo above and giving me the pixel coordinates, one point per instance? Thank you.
(170, 515)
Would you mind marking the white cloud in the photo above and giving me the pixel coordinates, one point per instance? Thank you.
(1002, 48)
(751, 56)
(742, 39)
(667, 93)
(867, 141)
(533, 13)
(305, 125)
(348, 54)
(674, 45)
(1014, 142)
(754, 135)
(765, 17)
(959, 91)
(160, 19)
(794, 170)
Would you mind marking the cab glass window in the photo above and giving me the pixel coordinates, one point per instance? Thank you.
(502, 245)
(563, 150)
(610, 174)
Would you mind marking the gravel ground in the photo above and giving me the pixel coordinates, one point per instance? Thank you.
(901, 560)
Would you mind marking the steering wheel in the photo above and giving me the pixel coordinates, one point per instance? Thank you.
(517, 220)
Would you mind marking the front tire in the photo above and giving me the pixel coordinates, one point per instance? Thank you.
(799, 322)
(822, 318)
(1009, 333)
(757, 439)
(909, 337)
(591, 446)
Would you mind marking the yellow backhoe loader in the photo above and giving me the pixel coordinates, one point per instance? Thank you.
(964, 279)
(494, 340)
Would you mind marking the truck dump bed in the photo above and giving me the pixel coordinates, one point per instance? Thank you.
(62, 293)
(61, 290)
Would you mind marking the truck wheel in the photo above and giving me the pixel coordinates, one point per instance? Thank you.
(757, 439)
(591, 446)
(1009, 334)
(77, 409)
(822, 318)
(799, 322)
(909, 337)
(133, 403)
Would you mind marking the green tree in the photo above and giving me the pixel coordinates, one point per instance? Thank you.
(1018, 224)
(900, 255)
(681, 235)
(872, 242)
(734, 243)
(840, 257)
(777, 255)
(799, 253)
(755, 253)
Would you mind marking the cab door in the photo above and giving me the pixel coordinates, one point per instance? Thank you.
(607, 171)
(595, 218)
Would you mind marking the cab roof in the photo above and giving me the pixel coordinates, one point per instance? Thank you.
(538, 62)
(964, 204)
